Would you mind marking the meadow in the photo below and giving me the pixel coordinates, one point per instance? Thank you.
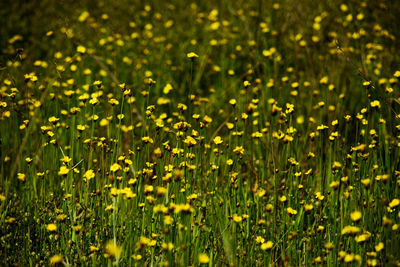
(199, 133)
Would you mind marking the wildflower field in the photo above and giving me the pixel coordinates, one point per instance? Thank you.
(200, 133)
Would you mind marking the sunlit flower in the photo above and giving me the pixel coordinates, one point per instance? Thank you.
(203, 258)
(63, 170)
(56, 259)
(113, 249)
(192, 55)
(218, 140)
(267, 245)
(115, 167)
(355, 216)
(89, 174)
(51, 227)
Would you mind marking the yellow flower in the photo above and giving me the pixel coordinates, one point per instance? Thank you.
(137, 257)
(260, 239)
(261, 192)
(363, 237)
(113, 249)
(267, 245)
(203, 258)
(349, 258)
(372, 262)
(144, 241)
(53, 119)
(355, 216)
(322, 127)
(334, 185)
(167, 88)
(77, 228)
(113, 101)
(84, 15)
(308, 207)
(63, 170)
(11, 220)
(238, 150)
(237, 218)
(94, 101)
(147, 139)
(230, 125)
(89, 174)
(168, 220)
(324, 80)
(103, 122)
(319, 196)
(182, 107)
(207, 119)
(115, 167)
(162, 101)
(215, 25)
(192, 55)
(80, 128)
(93, 249)
(350, 230)
(218, 140)
(375, 104)
(329, 246)
(21, 177)
(186, 208)
(379, 247)
(66, 159)
(81, 49)
(282, 199)
(56, 259)
(190, 141)
(366, 182)
(394, 203)
(344, 8)
(51, 227)
(291, 211)
(110, 208)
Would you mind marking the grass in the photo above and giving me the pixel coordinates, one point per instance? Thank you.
(240, 133)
